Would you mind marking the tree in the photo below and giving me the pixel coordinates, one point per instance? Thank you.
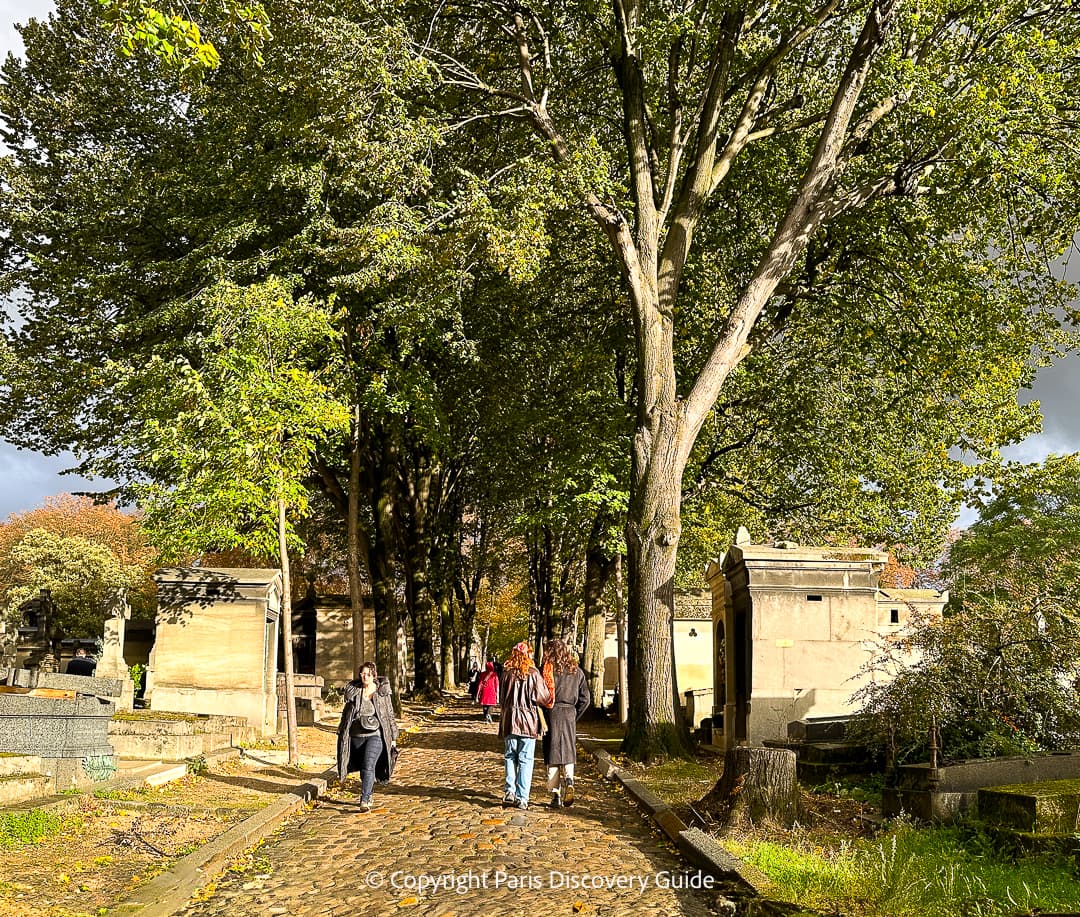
(221, 451)
(82, 576)
(1001, 673)
(103, 525)
(796, 145)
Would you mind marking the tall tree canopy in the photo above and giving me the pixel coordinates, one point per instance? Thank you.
(855, 201)
(828, 230)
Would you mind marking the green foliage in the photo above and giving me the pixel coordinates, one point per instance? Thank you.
(1001, 673)
(177, 40)
(910, 871)
(82, 575)
(29, 826)
(214, 447)
(197, 765)
(137, 673)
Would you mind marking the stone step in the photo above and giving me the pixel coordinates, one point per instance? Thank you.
(16, 788)
(1050, 808)
(19, 764)
(166, 774)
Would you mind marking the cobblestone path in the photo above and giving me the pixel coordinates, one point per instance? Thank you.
(440, 824)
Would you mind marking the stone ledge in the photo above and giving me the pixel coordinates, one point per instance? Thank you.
(169, 892)
(696, 846)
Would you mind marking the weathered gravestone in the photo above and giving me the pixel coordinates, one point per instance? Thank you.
(61, 719)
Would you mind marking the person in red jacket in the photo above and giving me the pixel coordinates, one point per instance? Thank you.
(487, 690)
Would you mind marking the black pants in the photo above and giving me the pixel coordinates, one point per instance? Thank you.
(367, 747)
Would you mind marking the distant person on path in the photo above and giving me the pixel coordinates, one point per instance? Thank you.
(475, 675)
(572, 699)
(487, 690)
(80, 664)
(367, 733)
(521, 688)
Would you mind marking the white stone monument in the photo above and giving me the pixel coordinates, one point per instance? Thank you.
(112, 663)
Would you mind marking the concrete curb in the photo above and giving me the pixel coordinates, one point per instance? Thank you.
(693, 843)
(169, 892)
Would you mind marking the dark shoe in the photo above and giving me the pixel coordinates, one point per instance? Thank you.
(509, 801)
(522, 804)
(556, 800)
(568, 793)
(365, 805)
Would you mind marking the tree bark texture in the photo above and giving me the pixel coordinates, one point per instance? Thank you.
(758, 784)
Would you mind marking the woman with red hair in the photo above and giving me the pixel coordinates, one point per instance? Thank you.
(522, 688)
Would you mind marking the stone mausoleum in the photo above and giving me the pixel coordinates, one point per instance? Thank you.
(793, 628)
(216, 642)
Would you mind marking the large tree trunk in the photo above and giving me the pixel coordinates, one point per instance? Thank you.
(757, 784)
(655, 726)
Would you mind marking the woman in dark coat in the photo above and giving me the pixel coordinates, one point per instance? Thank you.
(572, 699)
(367, 734)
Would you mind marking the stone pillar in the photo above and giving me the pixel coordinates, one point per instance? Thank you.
(7, 647)
(112, 663)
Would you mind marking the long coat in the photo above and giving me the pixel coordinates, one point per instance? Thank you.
(572, 699)
(388, 728)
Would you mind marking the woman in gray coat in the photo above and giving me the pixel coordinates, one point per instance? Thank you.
(367, 733)
(572, 699)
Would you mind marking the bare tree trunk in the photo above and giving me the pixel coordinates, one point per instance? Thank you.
(384, 580)
(446, 632)
(352, 524)
(286, 634)
(757, 784)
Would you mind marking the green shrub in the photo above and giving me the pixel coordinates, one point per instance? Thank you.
(27, 827)
(137, 674)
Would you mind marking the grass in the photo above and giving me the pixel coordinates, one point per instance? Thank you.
(677, 781)
(28, 826)
(911, 871)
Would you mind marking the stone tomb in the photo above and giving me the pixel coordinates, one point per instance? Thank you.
(947, 793)
(793, 627)
(1050, 808)
(61, 719)
(216, 645)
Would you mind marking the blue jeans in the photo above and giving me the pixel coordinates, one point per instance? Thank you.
(519, 766)
(367, 748)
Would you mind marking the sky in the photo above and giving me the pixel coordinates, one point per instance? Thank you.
(26, 478)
